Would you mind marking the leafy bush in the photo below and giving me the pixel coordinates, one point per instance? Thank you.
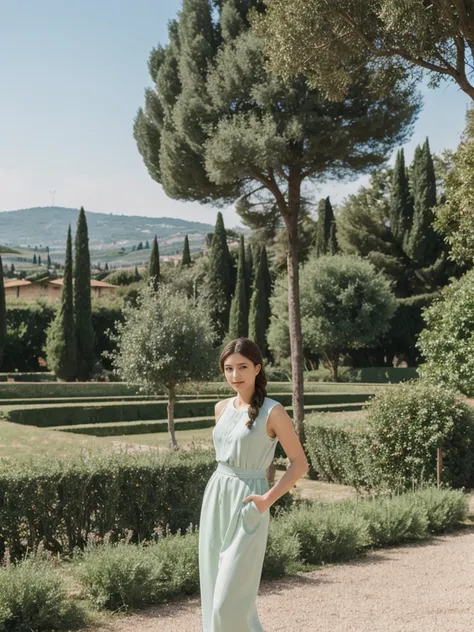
(408, 423)
(124, 576)
(395, 520)
(326, 533)
(337, 445)
(74, 498)
(447, 343)
(33, 597)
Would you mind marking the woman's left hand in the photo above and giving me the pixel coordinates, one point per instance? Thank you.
(261, 502)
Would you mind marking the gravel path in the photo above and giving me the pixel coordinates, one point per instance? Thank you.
(423, 587)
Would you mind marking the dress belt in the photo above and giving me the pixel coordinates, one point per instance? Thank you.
(240, 472)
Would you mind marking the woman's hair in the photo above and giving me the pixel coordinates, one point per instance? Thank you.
(250, 350)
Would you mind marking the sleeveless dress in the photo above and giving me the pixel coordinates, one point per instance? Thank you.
(232, 534)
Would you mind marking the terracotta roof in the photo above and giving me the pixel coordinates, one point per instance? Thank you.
(17, 282)
(94, 283)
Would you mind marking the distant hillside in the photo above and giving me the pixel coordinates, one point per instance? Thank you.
(47, 226)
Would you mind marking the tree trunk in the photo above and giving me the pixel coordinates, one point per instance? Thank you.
(171, 430)
(294, 310)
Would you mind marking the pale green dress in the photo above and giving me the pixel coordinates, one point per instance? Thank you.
(232, 534)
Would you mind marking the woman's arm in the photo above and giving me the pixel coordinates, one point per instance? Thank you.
(281, 424)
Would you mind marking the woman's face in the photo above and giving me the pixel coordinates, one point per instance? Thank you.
(240, 372)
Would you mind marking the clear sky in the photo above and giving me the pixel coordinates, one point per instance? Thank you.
(73, 75)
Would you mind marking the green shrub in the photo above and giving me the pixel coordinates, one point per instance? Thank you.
(447, 342)
(394, 520)
(337, 445)
(33, 597)
(326, 533)
(124, 576)
(283, 551)
(445, 509)
(408, 423)
(117, 491)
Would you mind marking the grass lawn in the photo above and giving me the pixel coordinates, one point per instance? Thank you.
(19, 442)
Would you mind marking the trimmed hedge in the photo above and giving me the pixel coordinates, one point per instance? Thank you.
(38, 376)
(46, 416)
(136, 427)
(367, 375)
(58, 503)
(69, 390)
(338, 449)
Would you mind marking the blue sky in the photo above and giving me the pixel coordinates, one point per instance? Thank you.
(73, 75)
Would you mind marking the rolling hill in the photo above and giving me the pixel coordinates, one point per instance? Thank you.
(47, 226)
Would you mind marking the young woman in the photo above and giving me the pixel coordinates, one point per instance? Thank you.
(235, 512)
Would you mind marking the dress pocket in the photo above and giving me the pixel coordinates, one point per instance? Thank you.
(251, 517)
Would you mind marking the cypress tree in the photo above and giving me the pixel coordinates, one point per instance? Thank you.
(61, 346)
(248, 274)
(39, 260)
(219, 278)
(82, 301)
(12, 269)
(154, 265)
(325, 229)
(186, 260)
(239, 315)
(49, 261)
(401, 202)
(34, 260)
(137, 274)
(147, 245)
(106, 267)
(259, 316)
(3, 315)
(423, 244)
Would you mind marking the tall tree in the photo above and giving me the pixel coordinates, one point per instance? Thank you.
(49, 261)
(329, 41)
(3, 315)
(186, 260)
(259, 315)
(401, 201)
(34, 260)
(239, 315)
(82, 301)
(248, 274)
(219, 288)
(325, 229)
(39, 260)
(61, 343)
(217, 127)
(154, 265)
(424, 243)
(454, 216)
(364, 225)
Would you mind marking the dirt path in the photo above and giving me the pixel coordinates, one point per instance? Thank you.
(415, 588)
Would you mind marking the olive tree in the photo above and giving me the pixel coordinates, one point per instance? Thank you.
(164, 341)
(345, 304)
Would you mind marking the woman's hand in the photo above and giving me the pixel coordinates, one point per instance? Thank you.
(262, 503)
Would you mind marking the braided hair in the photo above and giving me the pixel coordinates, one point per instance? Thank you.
(250, 350)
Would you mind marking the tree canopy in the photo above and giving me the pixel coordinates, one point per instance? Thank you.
(217, 127)
(455, 217)
(164, 341)
(329, 41)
